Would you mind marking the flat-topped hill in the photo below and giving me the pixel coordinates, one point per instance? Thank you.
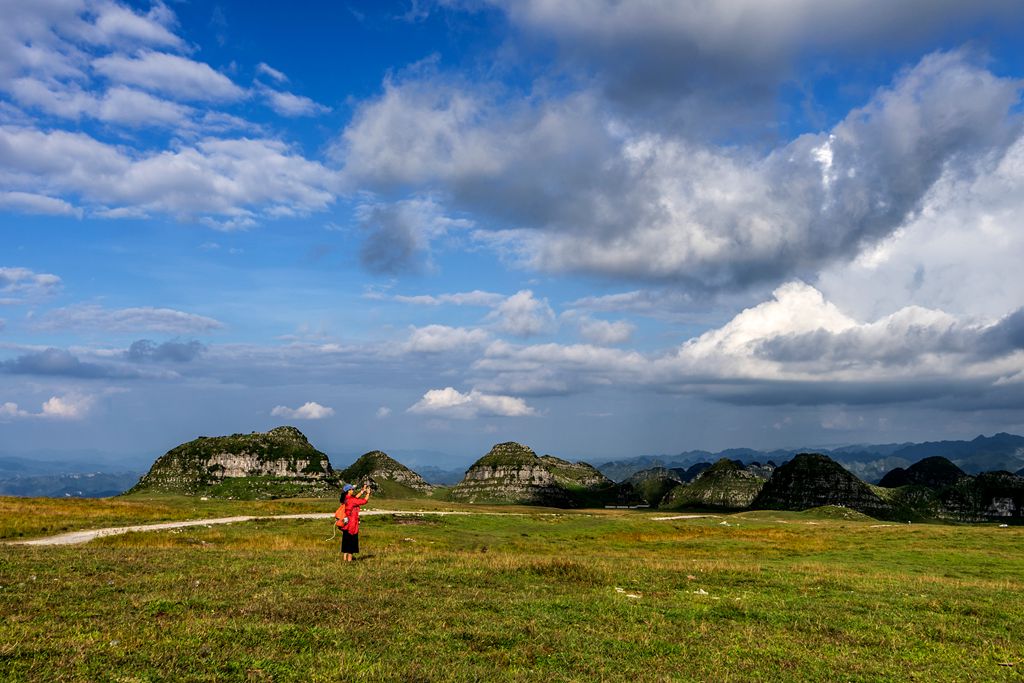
(384, 475)
(512, 473)
(277, 463)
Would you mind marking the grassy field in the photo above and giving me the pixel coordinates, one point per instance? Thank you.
(545, 595)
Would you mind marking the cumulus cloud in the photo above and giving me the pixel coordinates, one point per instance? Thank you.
(451, 403)
(145, 318)
(307, 411)
(383, 412)
(603, 332)
(226, 178)
(582, 192)
(18, 285)
(523, 315)
(441, 338)
(796, 347)
(67, 407)
(958, 253)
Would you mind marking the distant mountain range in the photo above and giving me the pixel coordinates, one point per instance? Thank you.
(869, 462)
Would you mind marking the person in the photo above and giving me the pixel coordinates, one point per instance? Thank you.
(347, 515)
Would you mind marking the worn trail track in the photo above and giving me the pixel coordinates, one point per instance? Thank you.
(76, 537)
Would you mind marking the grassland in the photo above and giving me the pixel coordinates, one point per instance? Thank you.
(544, 595)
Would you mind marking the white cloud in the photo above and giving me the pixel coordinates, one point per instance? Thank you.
(307, 411)
(441, 338)
(523, 315)
(226, 178)
(137, 319)
(292, 105)
(794, 348)
(67, 407)
(9, 411)
(29, 202)
(449, 402)
(474, 298)
(604, 332)
(18, 285)
(264, 68)
(958, 253)
(383, 412)
(172, 75)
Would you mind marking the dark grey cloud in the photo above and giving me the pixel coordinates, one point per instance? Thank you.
(392, 244)
(1005, 336)
(686, 64)
(62, 363)
(170, 351)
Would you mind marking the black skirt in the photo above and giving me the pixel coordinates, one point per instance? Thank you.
(349, 542)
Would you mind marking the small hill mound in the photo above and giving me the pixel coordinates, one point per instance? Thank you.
(384, 475)
(512, 473)
(727, 485)
(654, 483)
(836, 512)
(278, 463)
(812, 480)
(935, 472)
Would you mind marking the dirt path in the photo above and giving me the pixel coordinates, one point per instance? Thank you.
(75, 537)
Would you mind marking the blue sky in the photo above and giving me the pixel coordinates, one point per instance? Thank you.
(599, 228)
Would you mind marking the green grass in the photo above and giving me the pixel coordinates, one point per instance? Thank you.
(540, 596)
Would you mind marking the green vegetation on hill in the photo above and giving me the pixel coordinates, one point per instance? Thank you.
(601, 595)
(272, 464)
(385, 476)
(725, 485)
(508, 454)
(513, 473)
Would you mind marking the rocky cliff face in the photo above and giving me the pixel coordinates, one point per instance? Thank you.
(812, 480)
(994, 496)
(936, 488)
(727, 484)
(279, 460)
(513, 473)
(377, 468)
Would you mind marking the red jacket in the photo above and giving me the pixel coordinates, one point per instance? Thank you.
(351, 510)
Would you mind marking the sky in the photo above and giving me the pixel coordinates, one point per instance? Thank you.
(601, 228)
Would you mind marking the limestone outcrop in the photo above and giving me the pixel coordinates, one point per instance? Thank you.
(384, 475)
(513, 473)
(726, 485)
(278, 462)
